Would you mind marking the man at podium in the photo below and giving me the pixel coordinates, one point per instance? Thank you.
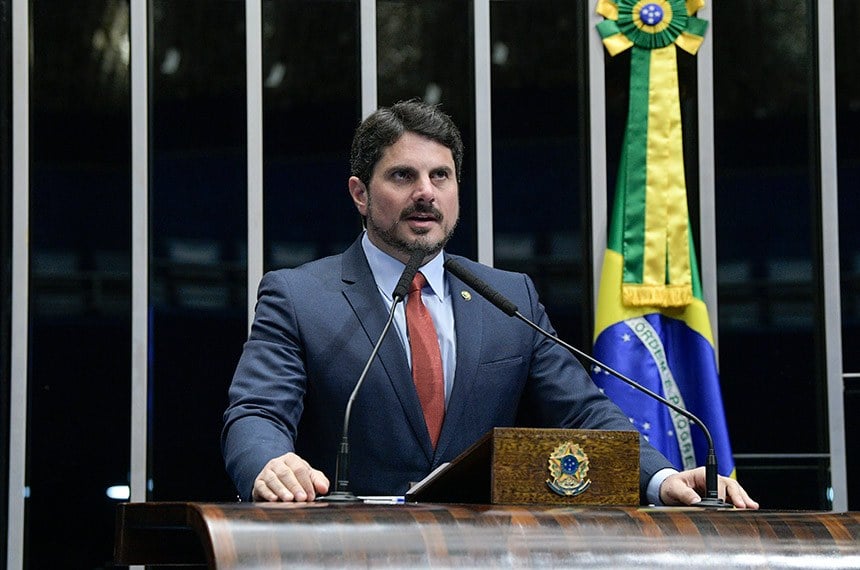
(453, 368)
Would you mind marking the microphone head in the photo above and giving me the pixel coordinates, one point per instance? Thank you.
(481, 287)
(408, 274)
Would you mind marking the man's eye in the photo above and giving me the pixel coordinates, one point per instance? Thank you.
(441, 174)
(400, 175)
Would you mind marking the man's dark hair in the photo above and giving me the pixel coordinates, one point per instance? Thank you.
(387, 124)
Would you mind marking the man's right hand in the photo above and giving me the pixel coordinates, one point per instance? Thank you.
(289, 478)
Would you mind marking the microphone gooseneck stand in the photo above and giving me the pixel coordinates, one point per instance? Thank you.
(711, 498)
(341, 493)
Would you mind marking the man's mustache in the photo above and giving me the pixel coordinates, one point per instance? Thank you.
(422, 208)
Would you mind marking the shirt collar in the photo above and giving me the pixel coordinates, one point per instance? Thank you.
(387, 270)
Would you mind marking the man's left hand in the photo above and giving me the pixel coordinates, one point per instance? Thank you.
(687, 488)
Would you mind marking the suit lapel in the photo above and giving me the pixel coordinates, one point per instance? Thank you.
(363, 296)
(469, 330)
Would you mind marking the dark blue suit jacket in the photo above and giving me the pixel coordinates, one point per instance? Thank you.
(315, 327)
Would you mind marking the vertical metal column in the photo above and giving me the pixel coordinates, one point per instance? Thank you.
(20, 282)
(597, 145)
(707, 177)
(830, 254)
(483, 131)
(367, 35)
(139, 31)
(254, 88)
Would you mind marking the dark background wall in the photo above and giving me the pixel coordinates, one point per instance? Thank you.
(769, 250)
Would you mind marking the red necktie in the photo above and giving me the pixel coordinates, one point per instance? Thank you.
(426, 359)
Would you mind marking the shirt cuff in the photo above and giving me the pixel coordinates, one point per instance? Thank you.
(652, 492)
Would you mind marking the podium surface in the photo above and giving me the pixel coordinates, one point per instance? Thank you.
(286, 535)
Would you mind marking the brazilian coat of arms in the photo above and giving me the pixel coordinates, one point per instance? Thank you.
(568, 469)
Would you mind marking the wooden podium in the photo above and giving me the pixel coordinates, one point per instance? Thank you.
(521, 523)
(325, 535)
(530, 466)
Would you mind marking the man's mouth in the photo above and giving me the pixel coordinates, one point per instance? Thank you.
(421, 215)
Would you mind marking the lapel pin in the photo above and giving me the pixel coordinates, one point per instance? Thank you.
(466, 295)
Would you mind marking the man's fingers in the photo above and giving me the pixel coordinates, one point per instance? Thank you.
(683, 489)
(288, 478)
(294, 474)
(737, 495)
(280, 480)
(689, 497)
(297, 477)
(320, 481)
(267, 487)
(262, 493)
(677, 490)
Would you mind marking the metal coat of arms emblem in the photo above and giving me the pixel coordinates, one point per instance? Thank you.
(568, 469)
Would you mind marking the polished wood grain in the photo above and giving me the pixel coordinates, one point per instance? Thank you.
(511, 466)
(244, 535)
(520, 466)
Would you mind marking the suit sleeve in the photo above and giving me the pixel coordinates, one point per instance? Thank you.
(560, 393)
(266, 394)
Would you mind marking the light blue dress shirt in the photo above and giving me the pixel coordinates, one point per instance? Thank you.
(386, 272)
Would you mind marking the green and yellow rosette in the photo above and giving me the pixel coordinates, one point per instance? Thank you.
(656, 238)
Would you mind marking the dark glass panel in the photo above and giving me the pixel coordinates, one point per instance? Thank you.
(767, 236)
(540, 181)
(198, 212)
(847, 18)
(80, 346)
(792, 483)
(311, 103)
(852, 440)
(848, 148)
(425, 49)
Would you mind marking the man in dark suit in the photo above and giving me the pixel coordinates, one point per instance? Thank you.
(316, 325)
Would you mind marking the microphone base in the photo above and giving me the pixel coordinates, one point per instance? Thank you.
(711, 503)
(339, 497)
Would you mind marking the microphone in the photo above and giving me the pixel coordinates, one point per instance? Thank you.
(711, 498)
(342, 494)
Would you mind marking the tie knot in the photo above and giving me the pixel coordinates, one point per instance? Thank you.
(418, 282)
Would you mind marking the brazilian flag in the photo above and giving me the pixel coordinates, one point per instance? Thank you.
(652, 323)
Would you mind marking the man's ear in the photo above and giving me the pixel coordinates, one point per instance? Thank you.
(358, 191)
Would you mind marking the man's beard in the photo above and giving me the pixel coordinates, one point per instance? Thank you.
(407, 246)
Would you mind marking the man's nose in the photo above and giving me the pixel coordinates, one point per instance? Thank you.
(424, 189)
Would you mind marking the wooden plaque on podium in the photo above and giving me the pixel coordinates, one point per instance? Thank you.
(531, 466)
